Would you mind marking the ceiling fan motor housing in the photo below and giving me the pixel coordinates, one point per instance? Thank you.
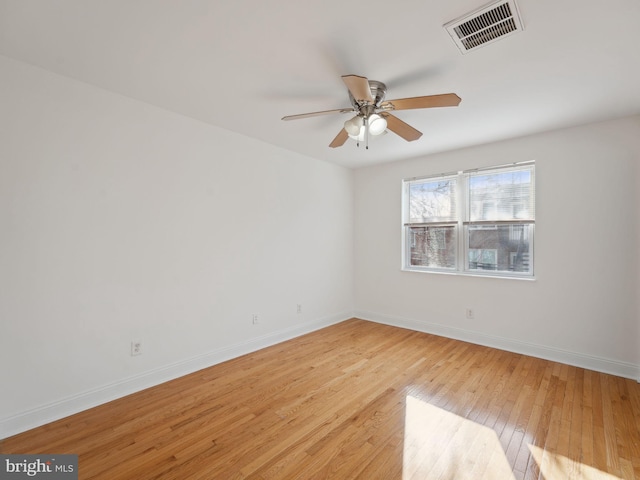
(378, 91)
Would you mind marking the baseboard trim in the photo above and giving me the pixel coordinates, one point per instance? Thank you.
(77, 403)
(598, 364)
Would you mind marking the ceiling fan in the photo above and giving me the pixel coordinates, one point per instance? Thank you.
(372, 111)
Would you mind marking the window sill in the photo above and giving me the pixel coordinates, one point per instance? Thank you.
(501, 276)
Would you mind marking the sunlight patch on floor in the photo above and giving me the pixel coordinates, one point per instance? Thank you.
(440, 444)
(554, 466)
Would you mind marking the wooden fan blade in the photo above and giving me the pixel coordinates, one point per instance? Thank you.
(359, 88)
(429, 101)
(340, 139)
(315, 114)
(401, 128)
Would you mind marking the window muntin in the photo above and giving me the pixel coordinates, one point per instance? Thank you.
(478, 222)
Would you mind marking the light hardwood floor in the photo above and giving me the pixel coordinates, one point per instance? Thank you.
(361, 400)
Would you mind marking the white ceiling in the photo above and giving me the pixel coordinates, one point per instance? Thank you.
(244, 64)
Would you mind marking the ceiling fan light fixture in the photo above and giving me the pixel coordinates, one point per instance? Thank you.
(377, 124)
(359, 137)
(353, 126)
(362, 134)
(357, 127)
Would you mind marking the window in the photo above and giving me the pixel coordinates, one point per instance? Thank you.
(478, 222)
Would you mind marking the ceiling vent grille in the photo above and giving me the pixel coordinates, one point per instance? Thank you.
(486, 25)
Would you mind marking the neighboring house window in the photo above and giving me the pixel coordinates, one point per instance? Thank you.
(483, 259)
(478, 222)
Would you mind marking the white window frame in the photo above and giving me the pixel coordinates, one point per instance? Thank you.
(463, 223)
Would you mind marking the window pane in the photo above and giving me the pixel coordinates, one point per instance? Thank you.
(433, 247)
(502, 248)
(500, 195)
(432, 201)
(483, 259)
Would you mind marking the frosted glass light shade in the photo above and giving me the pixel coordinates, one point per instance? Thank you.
(377, 124)
(358, 136)
(353, 126)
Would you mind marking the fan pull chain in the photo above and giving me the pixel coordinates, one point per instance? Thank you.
(364, 124)
(366, 132)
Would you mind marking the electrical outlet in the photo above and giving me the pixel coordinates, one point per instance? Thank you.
(136, 348)
(470, 314)
(255, 319)
(299, 309)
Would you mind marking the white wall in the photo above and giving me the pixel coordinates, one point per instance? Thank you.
(637, 292)
(583, 306)
(122, 221)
